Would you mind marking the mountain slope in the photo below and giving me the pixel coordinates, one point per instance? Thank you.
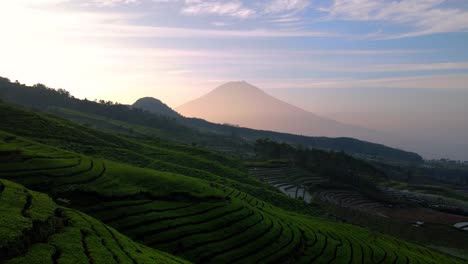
(242, 104)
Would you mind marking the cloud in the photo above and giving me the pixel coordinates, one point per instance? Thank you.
(413, 67)
(219, 24)
(359, 52)
(384, 68)
(443, 81)
(236, 8)
(114, 2)
(105, 29)
(423, 16)
(279, 6)
(222, 8)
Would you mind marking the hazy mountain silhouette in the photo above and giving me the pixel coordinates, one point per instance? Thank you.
(241, 103)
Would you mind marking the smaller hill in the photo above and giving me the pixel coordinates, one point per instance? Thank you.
(154, 105)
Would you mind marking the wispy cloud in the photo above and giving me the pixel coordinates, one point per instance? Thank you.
(219, 24)
(383, 68)
(443, 81)
(115, 30)
(443, 66)
(424, 17)
(112, 2)
(279, 6)
(234, 8)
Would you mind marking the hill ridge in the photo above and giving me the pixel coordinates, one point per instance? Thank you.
(133, 121)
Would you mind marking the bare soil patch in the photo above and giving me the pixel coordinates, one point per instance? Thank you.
(423, 214)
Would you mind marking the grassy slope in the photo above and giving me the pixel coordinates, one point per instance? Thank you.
(33, 229)
(189, 217)
(159, 155)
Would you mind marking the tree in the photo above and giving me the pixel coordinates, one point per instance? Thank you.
(40, 86)
(63, 92)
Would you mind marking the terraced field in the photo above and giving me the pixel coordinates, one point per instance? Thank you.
(293, 182)
(33, 229)
(201, 221)
(296, 183)
(433, 201)
(462, 226)
(350, 199)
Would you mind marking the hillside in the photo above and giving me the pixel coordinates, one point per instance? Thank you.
(195, 219)
(134, 122)
(163, 156)
(34, 229)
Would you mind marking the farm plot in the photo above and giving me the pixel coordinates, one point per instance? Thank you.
(462, 226)
(293, 182)
(350, 199)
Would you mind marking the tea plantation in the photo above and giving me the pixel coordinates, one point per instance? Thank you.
(190, 217)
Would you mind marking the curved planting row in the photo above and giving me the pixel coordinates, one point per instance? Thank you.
(251, 200)
(45, 168)
(236, 229)
(347, 244)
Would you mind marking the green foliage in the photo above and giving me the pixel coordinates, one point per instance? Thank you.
(12, 221)
(338, 167)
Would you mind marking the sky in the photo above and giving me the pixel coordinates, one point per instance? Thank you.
(304, 51)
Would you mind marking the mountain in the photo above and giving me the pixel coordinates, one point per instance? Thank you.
(241, 103)
(155, 106)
